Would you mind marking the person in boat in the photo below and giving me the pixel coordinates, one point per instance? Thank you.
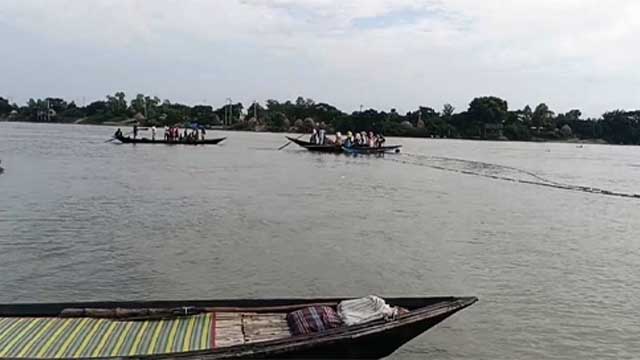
(203, 133)
(380, 140)
(314, 136)
(153, 132)
(135, 131)
(349, 140)
(365, 138)
(372, 139)
(358, 139)
(338, 140)
(118, 134)
(322, 136)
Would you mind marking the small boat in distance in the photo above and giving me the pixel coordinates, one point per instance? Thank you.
(129, 140)
(209, 329)
(332, 148)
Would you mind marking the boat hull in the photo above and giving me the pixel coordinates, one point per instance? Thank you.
(330, 148)
(376, 339)
(128, 140)
(371, 150)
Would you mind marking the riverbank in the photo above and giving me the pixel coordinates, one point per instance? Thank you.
(235, 128)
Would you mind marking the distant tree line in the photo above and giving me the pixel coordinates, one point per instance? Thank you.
(485, 118)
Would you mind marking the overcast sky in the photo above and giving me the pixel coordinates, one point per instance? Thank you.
(380, 53)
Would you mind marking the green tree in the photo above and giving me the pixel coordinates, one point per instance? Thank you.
(489, 109)
(137, 104)
(254, 109)
(542, 117)
(621, 127)
(117, 103)
(527, 115)
(151, 106)
(277, 122)
(447, 111)
(573, 115)
(5, 107)
(96, 107)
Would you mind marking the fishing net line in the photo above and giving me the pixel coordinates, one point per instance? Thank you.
(497, 172)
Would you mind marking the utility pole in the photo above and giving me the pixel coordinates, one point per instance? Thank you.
(255, 110)
(361, 107)
(224, 121)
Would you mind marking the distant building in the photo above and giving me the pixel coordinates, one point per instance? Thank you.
(46, 115)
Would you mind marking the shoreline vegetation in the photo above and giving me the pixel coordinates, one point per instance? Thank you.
(486, 118)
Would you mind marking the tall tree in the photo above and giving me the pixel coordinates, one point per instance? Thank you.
(447, 111)
(542, 117)
(527, 115)
(137, 104)
(5, 107)
(117, 103)
(488, 109)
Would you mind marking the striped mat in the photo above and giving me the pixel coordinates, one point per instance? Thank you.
(55, 338)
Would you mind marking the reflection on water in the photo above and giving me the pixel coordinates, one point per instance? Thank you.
(81, 219)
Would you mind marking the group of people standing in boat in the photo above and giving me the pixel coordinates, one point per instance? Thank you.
(174, 134)
(370, 139)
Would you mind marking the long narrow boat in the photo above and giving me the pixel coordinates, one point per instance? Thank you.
(331, 148)
(209, 329)
(129, 140)
(371, 150)
(327, 148)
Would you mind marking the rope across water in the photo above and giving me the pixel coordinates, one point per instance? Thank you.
(497, 172)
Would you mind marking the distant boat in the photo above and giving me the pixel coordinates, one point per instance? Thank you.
(129, 140)
(207, 329)
(331, 148)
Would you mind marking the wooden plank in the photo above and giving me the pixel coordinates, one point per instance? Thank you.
(264, 327)
(228, 315)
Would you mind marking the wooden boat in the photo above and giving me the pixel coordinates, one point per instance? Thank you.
(327, 148)
(209, 329)
(371, 150)
(331, 148)
(129, 140)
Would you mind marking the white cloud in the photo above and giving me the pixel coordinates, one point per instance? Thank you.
(381, 53)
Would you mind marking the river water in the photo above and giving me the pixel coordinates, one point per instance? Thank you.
(553, 262)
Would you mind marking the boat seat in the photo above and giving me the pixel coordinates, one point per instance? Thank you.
(57, 338)
(240, 328)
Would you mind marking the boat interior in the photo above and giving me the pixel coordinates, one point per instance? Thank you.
(99, 330)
